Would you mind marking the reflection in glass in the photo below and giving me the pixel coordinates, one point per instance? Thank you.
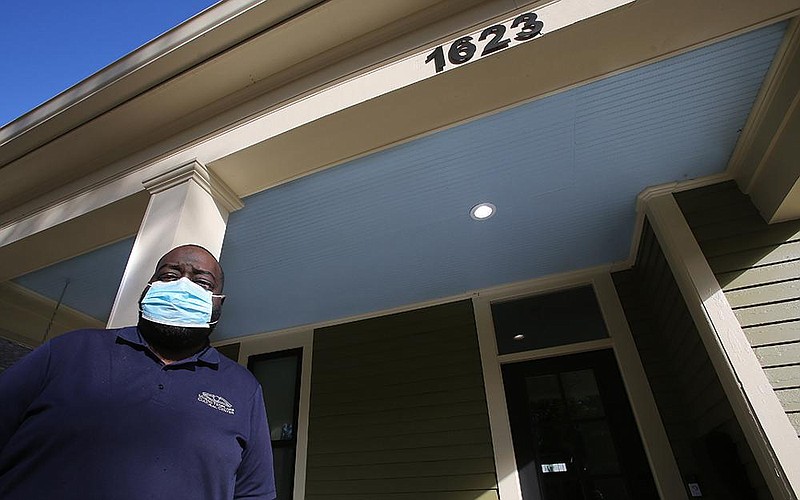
(599, 456)
(278, 378)
(571, 437)
(583, 397)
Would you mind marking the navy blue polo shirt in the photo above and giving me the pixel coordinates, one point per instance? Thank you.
(94, 414)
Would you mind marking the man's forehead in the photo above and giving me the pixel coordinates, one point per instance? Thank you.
(196, 257)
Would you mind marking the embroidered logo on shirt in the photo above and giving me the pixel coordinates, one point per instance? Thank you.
(216, 402)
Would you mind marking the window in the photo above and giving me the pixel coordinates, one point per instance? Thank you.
(559, 318)
(279, 375)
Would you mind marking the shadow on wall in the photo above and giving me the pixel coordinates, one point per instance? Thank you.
(697, 416)
(741, 248)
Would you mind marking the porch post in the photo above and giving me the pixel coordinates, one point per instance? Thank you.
(188, 204)
(763, 420)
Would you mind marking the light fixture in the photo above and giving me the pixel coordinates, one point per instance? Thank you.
(482, 211)
(519, 337)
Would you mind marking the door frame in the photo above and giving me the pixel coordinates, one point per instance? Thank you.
(301, 338)
(651, 429)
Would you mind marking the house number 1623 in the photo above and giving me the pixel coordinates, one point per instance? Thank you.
(525, 27)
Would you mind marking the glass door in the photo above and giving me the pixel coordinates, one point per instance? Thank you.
(574, 434)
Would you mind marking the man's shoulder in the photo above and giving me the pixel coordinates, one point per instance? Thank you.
(236, 372)
(86, 336)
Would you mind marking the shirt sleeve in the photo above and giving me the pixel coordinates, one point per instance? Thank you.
(19, 386)
(255, 477)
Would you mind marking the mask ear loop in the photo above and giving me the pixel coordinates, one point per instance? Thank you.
(144, 292)
(219, 296)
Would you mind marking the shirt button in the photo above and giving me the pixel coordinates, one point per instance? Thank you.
(160, 386)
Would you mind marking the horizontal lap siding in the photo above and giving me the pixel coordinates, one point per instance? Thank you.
(398, 410)
(758, 267)
(688, 393)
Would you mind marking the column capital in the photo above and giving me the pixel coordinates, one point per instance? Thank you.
(196, 172)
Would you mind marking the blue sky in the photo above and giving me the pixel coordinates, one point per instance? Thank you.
(49, 46)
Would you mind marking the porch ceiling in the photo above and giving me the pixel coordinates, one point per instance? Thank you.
(393, 228)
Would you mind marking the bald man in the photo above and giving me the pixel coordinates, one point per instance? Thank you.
(145, 412)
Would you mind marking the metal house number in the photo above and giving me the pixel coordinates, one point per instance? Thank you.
(523, 28)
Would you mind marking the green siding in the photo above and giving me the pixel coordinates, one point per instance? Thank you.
(693, 406)
(230, 350)
(398, 410)
(758, 267)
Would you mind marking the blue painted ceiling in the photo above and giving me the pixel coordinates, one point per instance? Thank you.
(91, 279)
(393, 228)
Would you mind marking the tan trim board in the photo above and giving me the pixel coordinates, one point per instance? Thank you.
(79, 235)
(765, 159)
(501, 292)
(768, 431)
(282, 342)
(657, 190)
(651, 428)
(559, 350)
(763, 121)
(505, 461)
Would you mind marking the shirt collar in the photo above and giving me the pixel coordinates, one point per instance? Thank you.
(131, 335)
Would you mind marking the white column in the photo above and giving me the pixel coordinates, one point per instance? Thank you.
(187, 205)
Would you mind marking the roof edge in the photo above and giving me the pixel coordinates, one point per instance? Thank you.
(226, 13)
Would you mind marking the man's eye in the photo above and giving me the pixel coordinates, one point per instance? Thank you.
(168, 277)
(205, 284)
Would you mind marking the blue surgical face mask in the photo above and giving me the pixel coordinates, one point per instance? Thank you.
(178, 303)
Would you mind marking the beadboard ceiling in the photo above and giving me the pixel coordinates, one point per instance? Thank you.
(393, 228)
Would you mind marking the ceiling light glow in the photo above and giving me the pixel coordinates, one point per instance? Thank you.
(482, 211)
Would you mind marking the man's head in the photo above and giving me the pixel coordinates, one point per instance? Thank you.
(197, 265)
(193, 262)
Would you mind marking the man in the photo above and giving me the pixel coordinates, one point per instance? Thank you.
(144, 412)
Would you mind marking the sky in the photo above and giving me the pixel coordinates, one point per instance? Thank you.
(47, 46)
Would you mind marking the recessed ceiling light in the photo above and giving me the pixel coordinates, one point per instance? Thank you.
(482, 211)
(519, 337)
